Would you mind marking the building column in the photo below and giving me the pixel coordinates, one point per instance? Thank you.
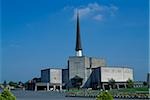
(60, 87)
(54, 87)
(47, 86)
(103, 86)
(110, 87)
(125, 85)
(118, 86)
(35, 88)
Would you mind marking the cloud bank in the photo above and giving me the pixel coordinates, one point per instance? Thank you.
(95, 11)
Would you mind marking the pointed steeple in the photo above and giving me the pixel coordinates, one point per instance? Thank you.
(78, 38)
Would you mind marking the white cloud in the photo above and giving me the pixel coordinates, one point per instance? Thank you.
(68, 7)
(113, 10)
(98, 17)
(95, 11)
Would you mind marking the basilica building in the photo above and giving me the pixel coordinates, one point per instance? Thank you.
(84, 72)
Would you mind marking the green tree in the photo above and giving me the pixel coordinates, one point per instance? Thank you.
(7, 95)
(130, 83)
(14, 84)
(104, 96)
(5, 84)
(112, 83)
(1, 98)
(145, 83)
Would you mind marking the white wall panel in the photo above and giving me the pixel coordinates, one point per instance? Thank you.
(55, 75)
(118, 74)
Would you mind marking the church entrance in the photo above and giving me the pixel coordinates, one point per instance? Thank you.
(76, 82)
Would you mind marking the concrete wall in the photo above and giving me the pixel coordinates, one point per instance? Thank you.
(65, 76)
(76, 67)
(51, 75)
(56, 76)
(45, 75)
(82, 66)
(128, 73)
(117, 73)
(96, 62)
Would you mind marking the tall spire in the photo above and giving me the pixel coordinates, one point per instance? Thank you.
(78, 38)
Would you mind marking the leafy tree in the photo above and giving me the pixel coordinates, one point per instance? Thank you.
(5, 83)
(7, 95)
(14, 84)
(1, 98)
(104, 96)
(20, 83)
(112, 82)
(130, 83)
(145, 83)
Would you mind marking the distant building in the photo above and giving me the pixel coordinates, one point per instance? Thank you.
(51, 79)
(30, 85)
(84, 72)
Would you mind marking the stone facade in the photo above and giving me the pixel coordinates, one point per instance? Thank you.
(119, 74)
(65, 77)
(53, 76)
(82, 66)
(45, 75)
(101, 76)
(94, 72)
(56, 76)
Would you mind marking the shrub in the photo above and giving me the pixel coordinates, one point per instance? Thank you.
(130, 83)
(1, 98)
(7, 95)
(112, 83)
(104, 96)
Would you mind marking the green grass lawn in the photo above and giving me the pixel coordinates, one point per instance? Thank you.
(113, 91)
(132, 90)
(140, 89)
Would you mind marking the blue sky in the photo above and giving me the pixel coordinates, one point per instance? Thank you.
(38, 34)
